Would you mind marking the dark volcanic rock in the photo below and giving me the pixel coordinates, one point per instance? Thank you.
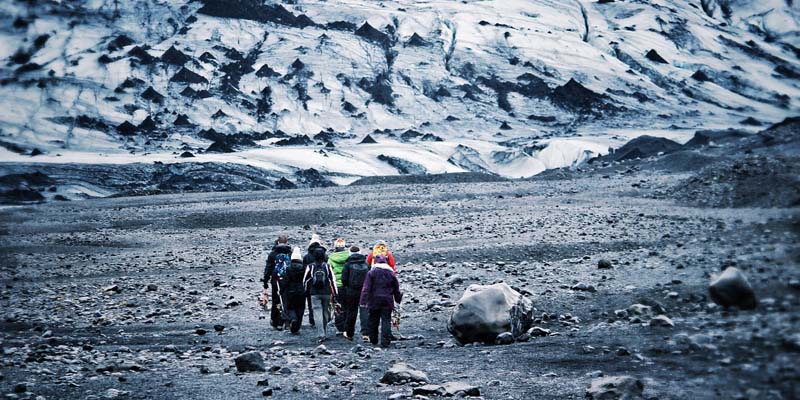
(174, 56)
(220, 146)
(615, 388)
(20, 195)
(187, 154)
(756, 181)
(117, 43)
(250, 362)
(141, 54)
(642, 147)
(368, 32)
(182, 120)
(186, 75)
(484, 312)
(147, 125)
(152, 95)
(367, 140)
(416, 41)
(459, 177)
(404, 167)
(28, 179)
(312, 178)
(379, 88)
(574, 96)
(284, 183)
(254, 10)
(652, 55)
(708, 137)
(266, 72)
(295, 141)
(731, 289)
(700, 76)
(126, 129)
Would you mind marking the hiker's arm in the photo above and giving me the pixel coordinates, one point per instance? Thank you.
(391, 260)
(365, 291)
(332, 279)
(306, 278)
(398, 296)
(345, 274)
(269, 269)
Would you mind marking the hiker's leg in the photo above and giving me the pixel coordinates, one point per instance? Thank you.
(286, 316)
(386, 327)
(363, 313)
(350, 315)
(339, 321)
(326, 314)
(317, 307)
(300, 301)
(275, 311)
(374, 320)
(310, 314)
(292, 314)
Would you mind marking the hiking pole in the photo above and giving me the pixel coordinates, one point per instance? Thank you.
(280, 299)
(396, 321)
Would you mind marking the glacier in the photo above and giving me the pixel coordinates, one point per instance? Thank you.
(504, 87)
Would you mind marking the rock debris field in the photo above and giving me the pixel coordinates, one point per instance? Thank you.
(156, 297)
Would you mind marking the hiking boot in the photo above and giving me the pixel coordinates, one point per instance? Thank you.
(346, 336)
(365, 338)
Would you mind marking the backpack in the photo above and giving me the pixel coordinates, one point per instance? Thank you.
(295, 272)
(282, 262)
(358, 274)
(319, 276)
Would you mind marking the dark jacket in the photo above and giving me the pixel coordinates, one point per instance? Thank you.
(269, 268)
(381, 288)
(293, 283)
(354, 259)
(308, 259)
(330, 284)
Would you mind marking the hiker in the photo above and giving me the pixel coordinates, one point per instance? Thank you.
(337, 259)
(274, 270)
(293, 292)
(381, 248)
(320, 285)
(381, 290)
(353, 275)
(308, 259)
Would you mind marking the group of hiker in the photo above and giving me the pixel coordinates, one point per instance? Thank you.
(352, 285)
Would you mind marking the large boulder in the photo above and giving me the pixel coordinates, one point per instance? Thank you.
(250, 362)
(485, 311)
(615, 388)
(731, 289)
(403, 373)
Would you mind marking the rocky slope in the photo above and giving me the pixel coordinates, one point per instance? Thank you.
(353, 88)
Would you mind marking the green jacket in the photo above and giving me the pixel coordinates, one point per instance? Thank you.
(337, 260)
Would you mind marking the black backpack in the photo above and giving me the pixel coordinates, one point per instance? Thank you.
(358, 273)
(295, 273)
(319, 276)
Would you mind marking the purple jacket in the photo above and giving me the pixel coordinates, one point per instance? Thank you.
(381, 288)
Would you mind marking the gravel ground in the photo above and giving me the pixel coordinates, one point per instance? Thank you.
(103, 298)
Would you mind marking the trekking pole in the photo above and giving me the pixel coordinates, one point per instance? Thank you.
(280, 299)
